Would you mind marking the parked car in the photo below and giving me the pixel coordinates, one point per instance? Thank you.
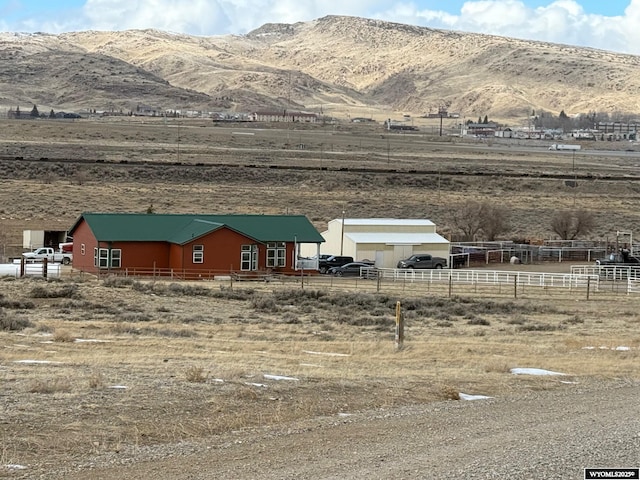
(622, 258)
(324, 265)
(423, 261)
(353, 269)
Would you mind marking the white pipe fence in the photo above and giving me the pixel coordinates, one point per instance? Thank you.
(30, 270)
(488, 277)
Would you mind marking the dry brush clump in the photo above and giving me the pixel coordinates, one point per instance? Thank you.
(49, 386)
(69, 290)
(11, 322)
(63, 336)
(196, 374)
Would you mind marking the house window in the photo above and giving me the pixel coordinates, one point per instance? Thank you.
(249, 257)
(116, 255)
(276, 254)
(198, 254)
(102, 259)
(82, 249)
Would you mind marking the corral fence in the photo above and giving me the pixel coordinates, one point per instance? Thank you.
(582, 282)
(438, 281)
(505, 252)
(613, 277)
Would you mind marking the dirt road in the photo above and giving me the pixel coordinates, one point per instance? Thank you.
(545, 434)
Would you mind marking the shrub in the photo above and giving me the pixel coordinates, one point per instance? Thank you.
(264, 303)
(196, 375)
(96, 380)
(63, 336)
(183, 333)
(11, 322)
(17, 304)
(539, 327)
(134, 317)
(53, 385)
(65, 291)
(479, 321)
(449, 392)
(117, 282)
(188, 290)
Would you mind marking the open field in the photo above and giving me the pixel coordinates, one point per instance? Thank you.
(194, 166)
(161, 374)
(96, 370)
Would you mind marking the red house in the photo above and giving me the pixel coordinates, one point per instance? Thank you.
(189, 245)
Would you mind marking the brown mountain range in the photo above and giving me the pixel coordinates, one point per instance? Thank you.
(335, 63)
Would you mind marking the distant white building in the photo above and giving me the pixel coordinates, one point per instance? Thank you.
(382, 240)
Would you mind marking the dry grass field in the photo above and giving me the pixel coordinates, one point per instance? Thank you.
(105, 368)
(195, 166)
(98, 368)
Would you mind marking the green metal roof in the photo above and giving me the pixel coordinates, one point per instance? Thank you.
(181, 228)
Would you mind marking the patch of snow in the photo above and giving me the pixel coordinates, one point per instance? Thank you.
(256, 384)
(36, 362)
(118, 387)
(90, 340)
(329, 354)
(279, 377)
(620, 348)
(217, 380)
(310, 365)
(15, 466)
(465, 396)
(534, 371)
(341, 414)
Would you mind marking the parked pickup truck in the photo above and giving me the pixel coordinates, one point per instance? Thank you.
(50, 254)
(423, 260)
(619, 259)
(324, 264)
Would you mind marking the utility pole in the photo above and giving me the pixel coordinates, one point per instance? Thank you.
(342, 233)
(442, 112)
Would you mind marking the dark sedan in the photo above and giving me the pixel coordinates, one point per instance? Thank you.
(352, 269)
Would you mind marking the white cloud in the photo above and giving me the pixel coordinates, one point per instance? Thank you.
(559, 21)
(204, 17)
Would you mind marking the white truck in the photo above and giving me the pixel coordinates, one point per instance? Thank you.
(564, 146)
(50, 254)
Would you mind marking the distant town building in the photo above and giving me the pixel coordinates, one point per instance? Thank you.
(283, 116)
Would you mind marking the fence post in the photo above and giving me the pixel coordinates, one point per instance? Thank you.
(399, 327)
(45, 265)
(450, 284)
(588, 286)
(378, 274)
(515, 286)
(22, 267)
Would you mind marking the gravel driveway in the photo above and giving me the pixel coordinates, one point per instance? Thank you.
(538, 435)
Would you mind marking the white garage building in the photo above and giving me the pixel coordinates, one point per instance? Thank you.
(383, 240)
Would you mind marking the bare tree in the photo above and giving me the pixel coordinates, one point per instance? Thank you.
(495, 220)
(473, 218)
(467, 219)
(571, 224)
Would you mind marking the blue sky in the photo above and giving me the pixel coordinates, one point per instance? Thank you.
(606, 24)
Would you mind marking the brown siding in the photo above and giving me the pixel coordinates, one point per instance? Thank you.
(83, 235)
(143, 255)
